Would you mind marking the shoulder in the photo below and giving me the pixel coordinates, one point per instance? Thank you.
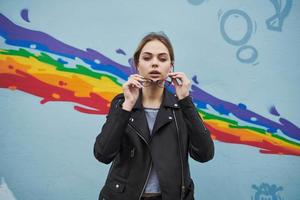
(118, 97)
(117, 100)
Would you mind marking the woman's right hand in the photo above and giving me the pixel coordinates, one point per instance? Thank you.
(131, 90)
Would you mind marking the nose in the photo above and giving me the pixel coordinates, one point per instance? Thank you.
(154, 63)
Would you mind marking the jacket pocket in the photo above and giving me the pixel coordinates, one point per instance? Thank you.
(117, 185)
(114, 189)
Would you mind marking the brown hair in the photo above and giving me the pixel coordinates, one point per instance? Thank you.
(160, 36)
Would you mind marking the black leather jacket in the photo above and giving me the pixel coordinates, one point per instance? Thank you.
(125, 141)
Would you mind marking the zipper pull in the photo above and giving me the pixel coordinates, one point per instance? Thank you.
(132, 153)
(182, 192)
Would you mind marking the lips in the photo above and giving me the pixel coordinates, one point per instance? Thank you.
(154, 72)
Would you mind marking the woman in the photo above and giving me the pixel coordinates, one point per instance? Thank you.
(149, 131)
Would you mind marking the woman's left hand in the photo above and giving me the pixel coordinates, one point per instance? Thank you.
(182, 84)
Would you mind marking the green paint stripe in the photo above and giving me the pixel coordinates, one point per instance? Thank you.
(209, 116)
(286, 140)
(259, 130)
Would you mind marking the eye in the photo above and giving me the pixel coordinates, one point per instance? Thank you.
(146, 58)
(163, 59)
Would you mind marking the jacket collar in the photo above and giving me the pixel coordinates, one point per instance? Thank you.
(164, 115)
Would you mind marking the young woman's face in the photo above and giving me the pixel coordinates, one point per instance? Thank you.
(154, 61)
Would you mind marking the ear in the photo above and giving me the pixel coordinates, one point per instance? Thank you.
(172, 67)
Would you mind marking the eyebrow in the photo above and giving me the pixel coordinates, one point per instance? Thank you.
(160, 54)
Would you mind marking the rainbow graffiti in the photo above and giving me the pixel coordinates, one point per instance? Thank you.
(40, 65)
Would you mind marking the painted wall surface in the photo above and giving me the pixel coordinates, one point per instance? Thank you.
(62, 62)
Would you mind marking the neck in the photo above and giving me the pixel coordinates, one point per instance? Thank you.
(152, 97)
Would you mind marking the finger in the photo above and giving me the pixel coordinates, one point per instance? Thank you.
(182, 78)
(140, 79)
(179, 77)
(175, 73)
(131, 83)
(135, 83)
(135, 75)
(175, 82)
(171, 74)
(137, 78)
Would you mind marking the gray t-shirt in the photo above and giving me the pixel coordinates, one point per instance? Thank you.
(153, 182)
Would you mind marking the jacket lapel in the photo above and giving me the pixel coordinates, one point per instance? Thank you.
(139, 122)
(164, 116)
(138, 119)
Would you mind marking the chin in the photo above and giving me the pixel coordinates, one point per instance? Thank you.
(155, 78)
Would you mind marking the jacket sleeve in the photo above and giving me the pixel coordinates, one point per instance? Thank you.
(108, 142)
(201, 146)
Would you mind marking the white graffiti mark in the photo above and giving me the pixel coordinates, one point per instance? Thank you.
(5, 192)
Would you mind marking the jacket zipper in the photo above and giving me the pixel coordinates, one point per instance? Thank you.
(181, 159)
(151, 159)
(146, 180)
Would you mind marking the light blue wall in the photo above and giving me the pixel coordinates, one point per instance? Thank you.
(46, 150)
